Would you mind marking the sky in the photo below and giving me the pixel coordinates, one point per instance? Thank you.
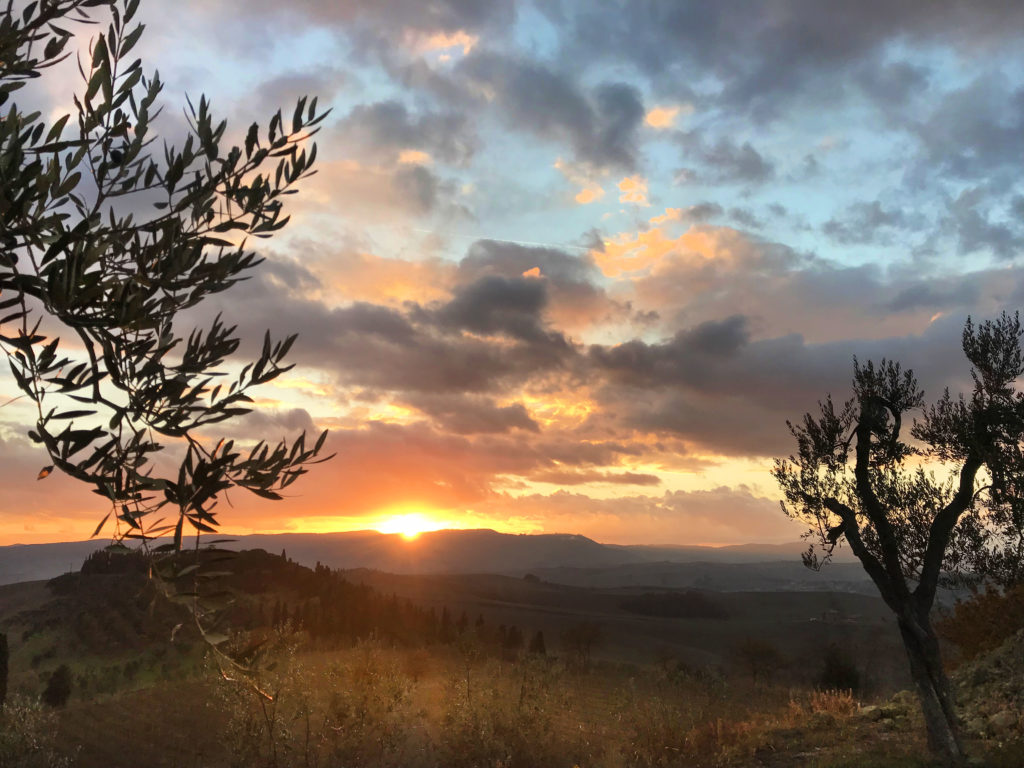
(570, 265)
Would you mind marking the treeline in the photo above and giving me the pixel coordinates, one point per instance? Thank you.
(110, 606)
(331, 610)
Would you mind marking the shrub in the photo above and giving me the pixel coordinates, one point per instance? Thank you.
(58, 689)
(838, 672)
(984, 621)
(27, 735)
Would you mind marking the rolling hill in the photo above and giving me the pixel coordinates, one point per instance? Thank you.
(563, 558)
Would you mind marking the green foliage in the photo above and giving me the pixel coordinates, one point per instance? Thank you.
(77, 259)
(58, 688)
(27, 737)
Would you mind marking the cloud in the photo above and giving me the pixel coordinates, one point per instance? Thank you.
(715, 516)
(633, 189)
(385, 129)
(974, 132)
(495, 304)
(975, 231)
(661, 118)
(791, 51)
(697, 213)
(601, 127)
(376, 192)
(557, 477)
(591, 190)
(575, 300)
(467, 415)
(728, 162)
(865, 222)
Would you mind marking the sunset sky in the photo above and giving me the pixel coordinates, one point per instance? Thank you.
(569, 266)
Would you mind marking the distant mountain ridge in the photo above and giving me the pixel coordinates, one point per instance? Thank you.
(446, 551)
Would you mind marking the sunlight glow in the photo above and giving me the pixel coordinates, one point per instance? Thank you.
(409, 525)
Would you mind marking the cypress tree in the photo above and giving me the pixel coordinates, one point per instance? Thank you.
(58, 689)
(4, 654)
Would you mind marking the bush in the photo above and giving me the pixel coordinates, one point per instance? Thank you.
(58, 689)
(27, 735)
(984, 621)
(838, 672)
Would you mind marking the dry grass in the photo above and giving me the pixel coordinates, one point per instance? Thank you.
(458, 708)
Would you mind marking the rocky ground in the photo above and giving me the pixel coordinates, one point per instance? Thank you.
(990, 691)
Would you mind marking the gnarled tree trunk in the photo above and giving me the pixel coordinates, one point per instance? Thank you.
(933, 689)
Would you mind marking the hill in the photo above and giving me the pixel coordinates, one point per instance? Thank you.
(448, 551)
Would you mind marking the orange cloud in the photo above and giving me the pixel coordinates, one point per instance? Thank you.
(591, 190)
(414, 157)
(366, 277)
(634, 190)
(638, 253)
(589, 195)
(420, 42)
(662, 118)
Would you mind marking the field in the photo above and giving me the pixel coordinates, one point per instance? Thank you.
(622, 677)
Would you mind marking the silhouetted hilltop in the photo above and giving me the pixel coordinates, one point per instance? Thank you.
(450, 551)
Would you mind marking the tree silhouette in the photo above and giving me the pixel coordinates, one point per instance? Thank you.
(58, 688)
(4, 660)
(855, 479)
(537, 647)
(109, 242)
(579, 640)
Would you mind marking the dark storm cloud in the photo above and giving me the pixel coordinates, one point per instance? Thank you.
(468, 415)
(677, 360)
(385, 128)
(413, 349)
(570, 281)
(487, 257)
(715, 386)
(600, 127)
(495, 304)
(786, 48)
(864, 222)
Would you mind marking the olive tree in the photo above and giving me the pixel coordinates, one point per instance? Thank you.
(916, 511)
(107, 241)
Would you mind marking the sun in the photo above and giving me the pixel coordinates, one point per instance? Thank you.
(409, 525)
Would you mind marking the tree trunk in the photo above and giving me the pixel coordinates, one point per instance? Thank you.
(922, 647)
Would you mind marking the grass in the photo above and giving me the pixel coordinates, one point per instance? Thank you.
(458, 708)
